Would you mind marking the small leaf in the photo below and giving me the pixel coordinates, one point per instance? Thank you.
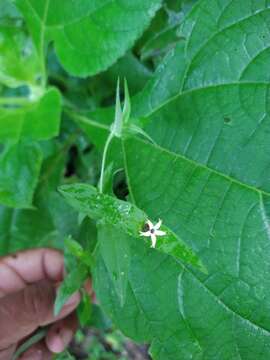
(127, 105)
(124, 216)
(104, 208)
(84, 310)
(117, 125)
(72, 283)
(73, 247)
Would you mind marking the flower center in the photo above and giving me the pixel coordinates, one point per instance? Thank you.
(152, 231)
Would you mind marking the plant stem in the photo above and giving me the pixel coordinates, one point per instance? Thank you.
(103, 163)
(40, 334)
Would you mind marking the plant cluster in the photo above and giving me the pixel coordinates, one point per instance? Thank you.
(135, 136)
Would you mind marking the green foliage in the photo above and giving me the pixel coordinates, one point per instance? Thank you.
(96, 32)
(186, 141)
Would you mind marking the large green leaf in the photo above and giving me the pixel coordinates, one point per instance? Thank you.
(19, 170)
(37, 120)
(207, 179)
(115, 250)
(218, 316)
(229, 45)
(88, 35)
(215, 60)
(18, 58)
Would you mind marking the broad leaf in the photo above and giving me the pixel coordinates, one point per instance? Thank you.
(88, 36)
(19, 170)
(114, 247)
(18, 58)
(37, 120)
(207, 58)
(221, 219)
(207, 178)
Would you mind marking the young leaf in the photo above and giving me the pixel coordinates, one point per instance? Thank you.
(126, 217)
(72, 283)
(84, 310)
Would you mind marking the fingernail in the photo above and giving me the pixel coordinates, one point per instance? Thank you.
(73, 300)
(56, 344)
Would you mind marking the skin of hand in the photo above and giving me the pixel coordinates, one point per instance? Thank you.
(28, 285)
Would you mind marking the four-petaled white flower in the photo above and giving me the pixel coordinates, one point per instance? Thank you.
(153, 232)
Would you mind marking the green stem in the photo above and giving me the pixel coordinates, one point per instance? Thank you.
(14, 101)
(40, 334)
(103, 163)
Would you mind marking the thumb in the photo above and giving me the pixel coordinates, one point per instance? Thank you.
(23, 312)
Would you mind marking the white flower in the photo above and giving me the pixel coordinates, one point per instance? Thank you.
(153, 232)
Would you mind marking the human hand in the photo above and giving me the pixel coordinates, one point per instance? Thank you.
(28, 282)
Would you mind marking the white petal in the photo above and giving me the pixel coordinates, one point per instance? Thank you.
(154, 240)
(150, 224)
(146, 233)
(158, 225)
(160, 233)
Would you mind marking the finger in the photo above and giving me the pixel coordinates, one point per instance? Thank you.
(38, 351)
(27, 267)
(61, 333)
(7, 353)
(24, 311)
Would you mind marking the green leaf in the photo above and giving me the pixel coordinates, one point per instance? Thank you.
(72, 283)
(19, 170)
(109, 28)
(244, 58)
(8, 11)
(73, 247)
(84, 310)
(161, 43)
(114, 247)
(22, 229)
(42, 120)
(129, 67)
(221, 219)
(207, 178)
(207, 59)
(126, 217)
(104, 208)
(18, 58)
(37, 120)
(165, 84)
